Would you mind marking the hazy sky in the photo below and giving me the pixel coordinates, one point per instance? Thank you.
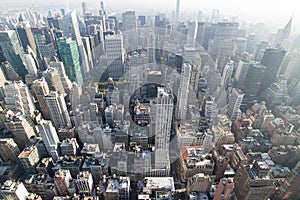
(275, 12)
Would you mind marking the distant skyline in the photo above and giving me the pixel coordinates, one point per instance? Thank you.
(274, 13)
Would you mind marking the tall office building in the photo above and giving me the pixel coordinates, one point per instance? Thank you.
(50, 137)
(58, 110)
(177, 10)
(234, 104)
(26, 36)
(227, 74)
(67, 84)
(9, 150)
(30, 64)
(41, 90)
(52, 77)
(13, 51)
(271, 60)
(22, 127)
(115, 55)
(129, 24)
(84, 7)
(68, 53)
(183, 93)
(13, 190)
(44, 40)
(241, 73)
(18, 98)
(222, 46)
(62, 179)
(253, 82)
(292, 70)
(191, 33)
(162, 108)
(71, 29)
(225, 189)
(29, 158)
(283, 34)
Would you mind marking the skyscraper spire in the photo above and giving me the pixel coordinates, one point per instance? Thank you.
(288, 27)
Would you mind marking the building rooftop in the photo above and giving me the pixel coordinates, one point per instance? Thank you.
(153, 183)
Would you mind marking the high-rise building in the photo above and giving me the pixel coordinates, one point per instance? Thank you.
(69, 147)
(69, 55)
(44, 40)
(22, 127)
(241, 73)
(84, 7)
(62, 73)
(50, 137)
(283, 34)
(177, 10)
(271, 60)
(62, 179)
(115, 55)
(183, 92)
(13, 51)
(277, 94)
(234, 104)
(222, 46)
(225, 189)
(292, 70)
(54, 22)
(9, 150)
(227, 74)
(18, 98)
(129, 24)
(29, 158)
(163, 109)
(30, 64)
(253, 82)
(26, 36)
(71, 29)
(253, 182)
(52, 77)
(41, 90)
(84, 183)
(11, 190)
(58, 110)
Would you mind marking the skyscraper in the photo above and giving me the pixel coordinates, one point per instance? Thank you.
(50, 137)
(18, 98)
(129, 24)
(163, 109)
(58, 110)
(41, 90)
(62, 73)
(52, 77)
(234, 104)
(283, 34)
(13, 51)
(22, 127)
(115, 55)
(177, 10)
(71, 29)
(241, 73)
(68, 53)
(9, 150)
(26, 36)
(222, 46)
(84, 7)
(44, 41)
(183, 92)
(271, 60)
(253, 82)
